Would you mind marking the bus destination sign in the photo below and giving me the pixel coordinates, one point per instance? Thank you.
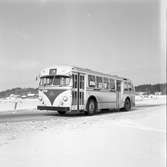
(53, 72)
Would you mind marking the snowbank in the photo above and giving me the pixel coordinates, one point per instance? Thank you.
(7, 105)
(151, 99)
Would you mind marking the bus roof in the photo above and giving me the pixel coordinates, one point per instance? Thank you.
(65, 69)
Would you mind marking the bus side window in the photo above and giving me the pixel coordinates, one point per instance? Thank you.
(130, 86)
(74, 81)
(112, 84)
(81, 82)
(118, 83)
(106, 83)
(91, 81)
(99, 82)
(126, 87)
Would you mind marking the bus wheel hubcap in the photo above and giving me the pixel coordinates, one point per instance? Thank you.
(91, 107)
(127, 104)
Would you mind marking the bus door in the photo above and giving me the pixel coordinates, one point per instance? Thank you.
(78, 91)
(118, 93)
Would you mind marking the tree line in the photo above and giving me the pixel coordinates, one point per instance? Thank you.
(18, 91)
(151, 89)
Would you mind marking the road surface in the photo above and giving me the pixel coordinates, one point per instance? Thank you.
(43, 138)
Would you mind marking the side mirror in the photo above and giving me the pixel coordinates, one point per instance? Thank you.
(37, 78)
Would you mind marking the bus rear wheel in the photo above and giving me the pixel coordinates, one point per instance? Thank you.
(91, 107)
(127, 105)
(61, 112)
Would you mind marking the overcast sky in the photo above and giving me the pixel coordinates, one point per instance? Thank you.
(120, 37)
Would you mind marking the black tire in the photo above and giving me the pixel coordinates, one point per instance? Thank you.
(91, 107)
(127, 105)
(61, 112)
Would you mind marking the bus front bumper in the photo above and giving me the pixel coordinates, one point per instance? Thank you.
(53, 108)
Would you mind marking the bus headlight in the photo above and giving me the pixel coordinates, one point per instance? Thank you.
(65, 98)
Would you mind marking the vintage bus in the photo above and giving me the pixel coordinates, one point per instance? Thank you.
(68, 89)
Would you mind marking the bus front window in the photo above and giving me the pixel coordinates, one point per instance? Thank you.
(54, 81)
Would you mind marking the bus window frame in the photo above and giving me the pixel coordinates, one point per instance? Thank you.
(106, 81)
(94, 80)
(112, 89)
(126, 87)
(120, 82)
(130, 87)
(98, 83)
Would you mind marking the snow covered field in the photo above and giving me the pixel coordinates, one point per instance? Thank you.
(8, 105)
(119, 139)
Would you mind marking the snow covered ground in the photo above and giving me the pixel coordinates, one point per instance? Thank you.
(9, 104)
(119, 139)
(151, 99)
(29, 103)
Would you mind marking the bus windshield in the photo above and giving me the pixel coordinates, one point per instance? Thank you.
(54, 81)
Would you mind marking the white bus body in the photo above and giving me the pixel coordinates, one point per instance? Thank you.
(67, 88)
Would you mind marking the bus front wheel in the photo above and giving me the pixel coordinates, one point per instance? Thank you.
(61, 112)
(127, 105)
(91, 107)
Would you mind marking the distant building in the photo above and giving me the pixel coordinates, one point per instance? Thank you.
(158, 93)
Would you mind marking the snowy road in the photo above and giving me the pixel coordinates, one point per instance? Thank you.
(133, 139)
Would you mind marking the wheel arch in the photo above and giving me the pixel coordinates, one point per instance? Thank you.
(91, 97)
(126, 97)
(129, 99)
